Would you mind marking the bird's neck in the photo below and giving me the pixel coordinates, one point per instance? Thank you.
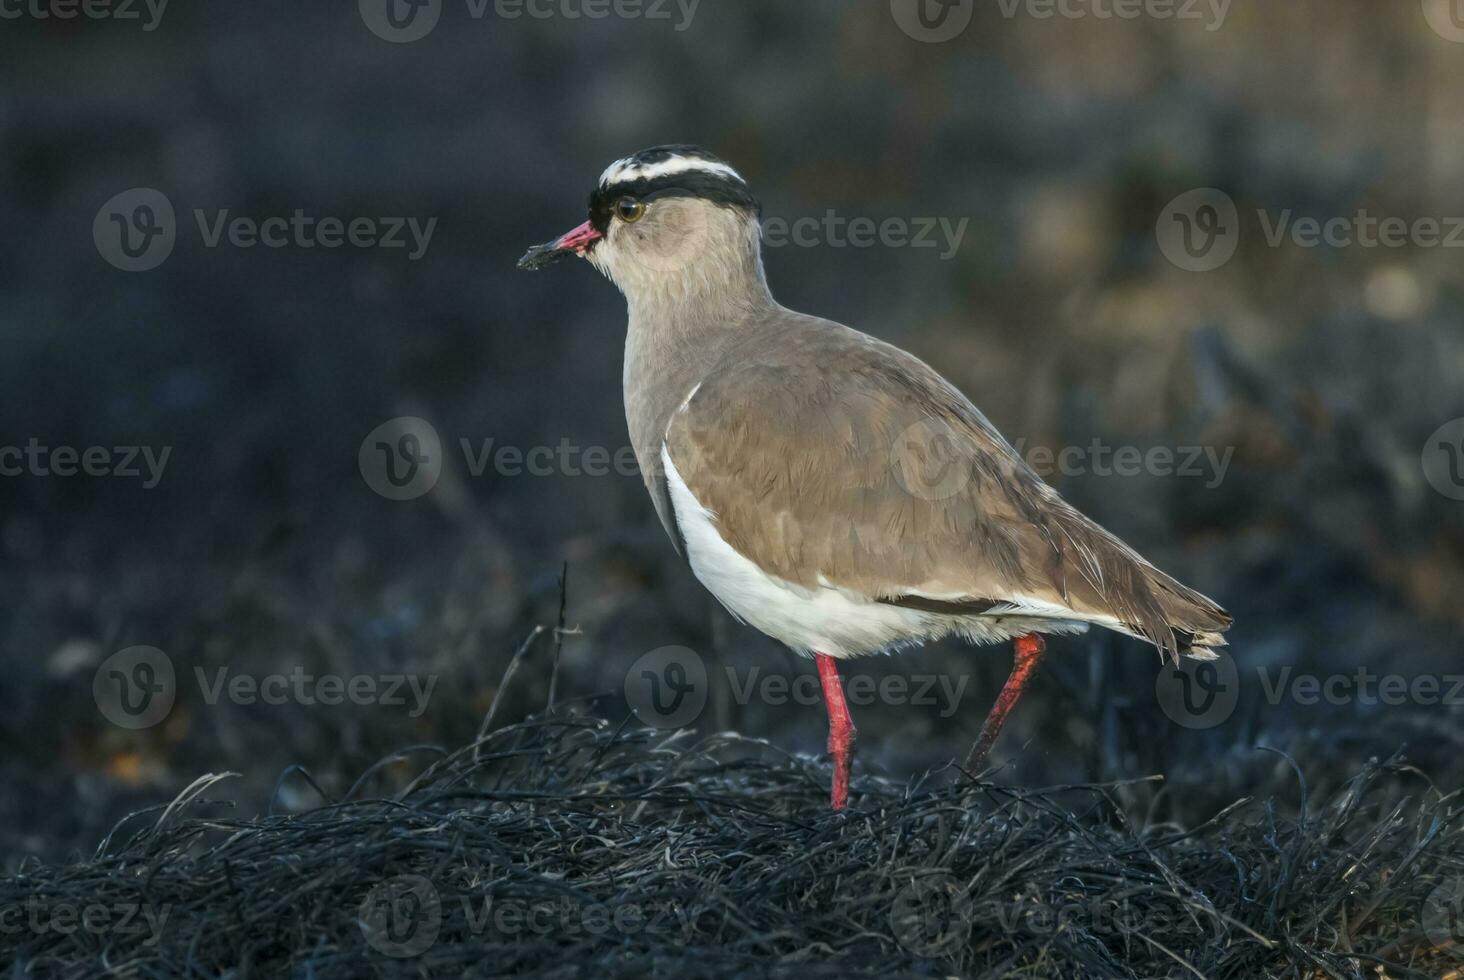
(674, 339)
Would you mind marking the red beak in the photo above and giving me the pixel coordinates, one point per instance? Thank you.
(577, 241)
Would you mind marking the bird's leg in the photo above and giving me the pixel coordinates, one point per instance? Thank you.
(1027, 655)
(841, 727)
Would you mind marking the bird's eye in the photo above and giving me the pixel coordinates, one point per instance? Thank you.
(630, 210)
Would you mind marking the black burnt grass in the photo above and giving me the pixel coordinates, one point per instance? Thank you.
(567, 846)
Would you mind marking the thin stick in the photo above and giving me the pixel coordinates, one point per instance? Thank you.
(558, 637)
(513, 666)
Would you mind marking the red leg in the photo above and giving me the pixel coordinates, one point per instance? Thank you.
(841, 727)
(1027, 656)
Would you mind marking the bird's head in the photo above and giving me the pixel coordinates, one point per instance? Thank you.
(670, 222)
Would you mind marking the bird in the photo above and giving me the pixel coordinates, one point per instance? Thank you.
(828, 488)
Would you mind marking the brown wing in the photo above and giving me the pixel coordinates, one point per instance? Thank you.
(831, 458)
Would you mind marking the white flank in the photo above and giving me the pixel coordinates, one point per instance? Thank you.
(828, 619)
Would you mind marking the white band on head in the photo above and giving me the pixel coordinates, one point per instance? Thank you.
(629, 169)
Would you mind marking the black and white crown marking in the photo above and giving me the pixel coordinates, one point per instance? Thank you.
(673, 170)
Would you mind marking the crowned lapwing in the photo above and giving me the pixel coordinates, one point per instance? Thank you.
(830, 489)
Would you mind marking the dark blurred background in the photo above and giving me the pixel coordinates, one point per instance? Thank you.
(1322, 375)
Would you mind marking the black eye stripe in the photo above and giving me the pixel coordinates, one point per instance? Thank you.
(715, 187)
